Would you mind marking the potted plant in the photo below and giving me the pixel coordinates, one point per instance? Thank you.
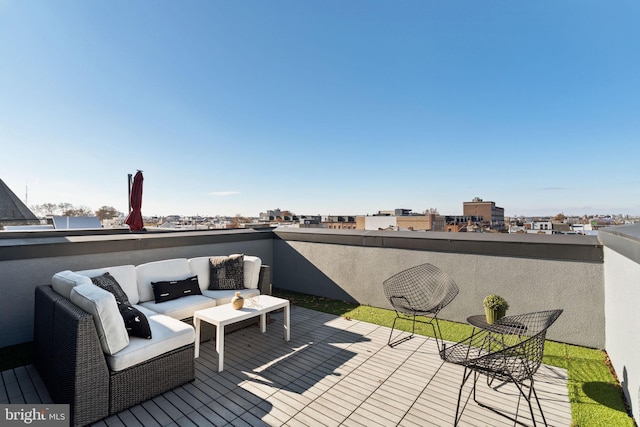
(495, 307)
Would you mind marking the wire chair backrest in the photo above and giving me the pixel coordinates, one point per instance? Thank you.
(518, 354)
(423, 288)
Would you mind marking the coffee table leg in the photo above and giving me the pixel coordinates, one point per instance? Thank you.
(263, 322)
(287, 330)
(196, 323)
(220, 346)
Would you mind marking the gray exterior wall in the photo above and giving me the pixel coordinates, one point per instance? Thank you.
(26, 262)
(622, 303)
(549, 272)
(532, 272)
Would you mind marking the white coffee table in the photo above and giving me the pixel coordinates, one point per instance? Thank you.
(224, 315)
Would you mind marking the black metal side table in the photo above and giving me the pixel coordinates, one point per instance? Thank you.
(499, 327)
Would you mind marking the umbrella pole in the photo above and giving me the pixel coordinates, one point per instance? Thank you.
(129, 194)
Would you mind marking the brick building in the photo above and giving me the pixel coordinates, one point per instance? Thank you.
(493, 216)
(430, 222)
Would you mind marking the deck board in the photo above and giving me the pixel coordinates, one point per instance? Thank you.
(333, 372)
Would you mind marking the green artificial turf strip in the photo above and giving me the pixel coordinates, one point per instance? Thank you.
(595, 395)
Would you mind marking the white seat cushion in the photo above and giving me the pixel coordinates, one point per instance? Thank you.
(64, 281)
(251, 270)
(168, 334)
(181, 308)
(102, 306)
(144, 310)
(159, 271)
(125, 275)
(224, 296)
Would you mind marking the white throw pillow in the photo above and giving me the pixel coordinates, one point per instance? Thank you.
(64, 281)
(102, 306)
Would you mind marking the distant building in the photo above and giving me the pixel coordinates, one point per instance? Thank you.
(76, 222)
(384, 220)
(309, 221)
(277, 215)
(462, 223)
(539, 227)
(586, 229)
(270, 214)
(339, 222)
(492, 215)
(514, 228)
(395, 212)
(12, 211)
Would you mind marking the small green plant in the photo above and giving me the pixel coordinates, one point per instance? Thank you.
(495, 302)
(495, 307)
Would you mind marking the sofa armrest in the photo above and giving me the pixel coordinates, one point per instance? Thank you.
(79, 364)
(76, 371)
(43, 311)
(264, 281)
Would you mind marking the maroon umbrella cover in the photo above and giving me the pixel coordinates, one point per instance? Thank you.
(134, 220)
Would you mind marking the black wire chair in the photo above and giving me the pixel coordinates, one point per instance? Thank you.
(510, 350)
(422, 290)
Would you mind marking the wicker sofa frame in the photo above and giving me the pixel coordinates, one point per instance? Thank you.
(70, 360)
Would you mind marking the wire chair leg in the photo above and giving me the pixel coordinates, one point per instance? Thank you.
(413, 325)
(528, 399)
(437, 332)
(437, 335)
(521, 394)
(465, 377)
(544, 420)
(392, 343)
(475, 381)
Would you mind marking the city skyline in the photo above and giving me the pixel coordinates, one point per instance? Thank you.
(380, 212)
(233, 108)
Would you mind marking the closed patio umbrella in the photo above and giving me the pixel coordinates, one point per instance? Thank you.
(134, 220)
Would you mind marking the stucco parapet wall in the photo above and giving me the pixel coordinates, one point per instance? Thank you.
(624, 239)
(535, 246)
(20, 246)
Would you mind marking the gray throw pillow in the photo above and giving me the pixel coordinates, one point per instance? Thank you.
(226, 272)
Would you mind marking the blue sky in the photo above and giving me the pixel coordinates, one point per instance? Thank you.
(332, 107)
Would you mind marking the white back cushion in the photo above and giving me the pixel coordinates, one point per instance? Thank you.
(102, 306)
(125, 275)
(200, 267)
(158, 271)
(64, 281)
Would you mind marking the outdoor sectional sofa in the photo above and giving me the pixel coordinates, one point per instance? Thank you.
(79, 347)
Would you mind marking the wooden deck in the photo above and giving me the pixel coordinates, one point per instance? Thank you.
(333, 372)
